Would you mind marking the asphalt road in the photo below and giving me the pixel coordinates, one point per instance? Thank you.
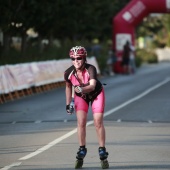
(37, 134)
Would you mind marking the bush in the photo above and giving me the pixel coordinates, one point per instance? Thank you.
(146, 56)
(138, 61)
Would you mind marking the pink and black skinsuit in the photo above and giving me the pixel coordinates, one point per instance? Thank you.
(96, 97)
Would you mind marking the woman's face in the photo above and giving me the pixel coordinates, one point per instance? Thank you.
(77, 61)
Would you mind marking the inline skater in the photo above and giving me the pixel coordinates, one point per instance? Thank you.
(87, 89)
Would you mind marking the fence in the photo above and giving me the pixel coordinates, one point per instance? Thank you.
(29, 78)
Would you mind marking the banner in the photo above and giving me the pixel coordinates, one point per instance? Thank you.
(23, 76)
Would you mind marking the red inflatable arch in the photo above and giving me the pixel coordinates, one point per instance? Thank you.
(127, 19)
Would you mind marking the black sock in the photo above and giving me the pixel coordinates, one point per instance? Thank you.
(103, 148)
(83, 147)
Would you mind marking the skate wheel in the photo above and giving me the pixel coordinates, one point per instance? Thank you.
(78, 164)
(104, 164)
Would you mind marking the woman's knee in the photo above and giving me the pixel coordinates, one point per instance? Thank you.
(81, 119)
(98, 123)
(81, 124)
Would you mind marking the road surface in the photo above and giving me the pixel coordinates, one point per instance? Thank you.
(37, 134)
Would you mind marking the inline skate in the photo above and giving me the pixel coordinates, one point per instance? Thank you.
(80, 156)
(103, 157)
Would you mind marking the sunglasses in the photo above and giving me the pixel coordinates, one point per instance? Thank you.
(78, 58)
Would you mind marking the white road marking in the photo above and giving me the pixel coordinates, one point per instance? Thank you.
(49, 145)
(38, 121)
(10, 166)
(137, 97)
(149, 121)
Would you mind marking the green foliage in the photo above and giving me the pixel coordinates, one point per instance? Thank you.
(150, 26)
(71, 22)
(60, 18)
(138, 60)
(52, 52)
(145, 56)
(157, 27)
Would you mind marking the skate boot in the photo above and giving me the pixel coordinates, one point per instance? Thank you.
(103, 157)
(80, 156)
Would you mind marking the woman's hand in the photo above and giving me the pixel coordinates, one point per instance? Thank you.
(78, 89)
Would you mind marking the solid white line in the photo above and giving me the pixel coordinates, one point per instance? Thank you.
(137, 97)
(49, 145)
(38, 121)
(91, 122)
(10, 166)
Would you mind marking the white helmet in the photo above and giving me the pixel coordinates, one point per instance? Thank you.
(78, 51)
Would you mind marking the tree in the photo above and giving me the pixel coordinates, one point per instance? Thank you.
(61, 19)
(157, 27)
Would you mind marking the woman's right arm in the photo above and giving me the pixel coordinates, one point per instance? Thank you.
(68, 92)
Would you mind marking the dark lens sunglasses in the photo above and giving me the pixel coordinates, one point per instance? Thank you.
(78, 58)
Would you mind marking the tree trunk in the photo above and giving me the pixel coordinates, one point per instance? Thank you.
(24, 44)
(6, 44)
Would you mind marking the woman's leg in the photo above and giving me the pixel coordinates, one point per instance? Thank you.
(98, 111)
(81, 107)
(100, 130)
(81, 127)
